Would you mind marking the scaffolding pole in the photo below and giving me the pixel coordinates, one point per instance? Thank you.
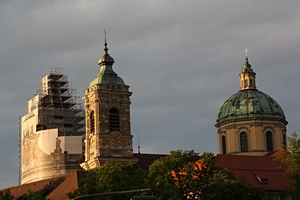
(19, 151)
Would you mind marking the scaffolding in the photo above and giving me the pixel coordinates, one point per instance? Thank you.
(58, 105)
(19, 150)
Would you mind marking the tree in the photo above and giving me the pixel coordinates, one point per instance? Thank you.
(30, 195)
(176, 176)
(111, 177)
(290, 156)
(6, 195)
(224, 185)
(187, 175)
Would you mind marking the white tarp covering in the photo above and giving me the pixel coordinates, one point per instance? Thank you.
(29, 120)
(71, 144)
(47, 140)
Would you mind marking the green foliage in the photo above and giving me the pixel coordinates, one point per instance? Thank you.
(176, 176)
(224, 185)
(111, 177)
(30, 195)
(187, 175)
(291, 157)
(6, 195)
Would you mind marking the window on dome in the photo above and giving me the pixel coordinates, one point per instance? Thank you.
(246, 83)
(92, 122)
(269, 138)
(223, 144)
(244, 141)
(114, 120)
(251, 82)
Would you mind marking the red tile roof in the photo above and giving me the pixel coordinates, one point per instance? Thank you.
(145, 160)
(256, 169)
(54, 188)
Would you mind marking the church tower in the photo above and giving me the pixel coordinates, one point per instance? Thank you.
(250, 122)
(107, 111)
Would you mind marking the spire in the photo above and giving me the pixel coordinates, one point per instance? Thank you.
(105, 43)
(247, 76)
(106, 74)
(139, 147)
(105, 59)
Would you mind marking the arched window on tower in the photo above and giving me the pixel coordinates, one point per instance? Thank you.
(269, 138)
(223, 144)
(244, 141)
(92, 122)
(114, 120)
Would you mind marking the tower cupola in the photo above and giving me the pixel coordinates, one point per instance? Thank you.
(106, 74)
(105, 59)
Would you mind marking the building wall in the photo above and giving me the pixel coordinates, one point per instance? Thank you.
(103, 144)
(256, 133)
(45, 155)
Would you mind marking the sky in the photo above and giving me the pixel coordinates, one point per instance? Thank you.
(181, 59)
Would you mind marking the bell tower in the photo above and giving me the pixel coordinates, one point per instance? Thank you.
(107, 112)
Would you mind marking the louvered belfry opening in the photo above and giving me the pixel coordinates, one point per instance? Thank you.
(114, 120)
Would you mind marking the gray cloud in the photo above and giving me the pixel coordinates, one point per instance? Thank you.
(180, 58)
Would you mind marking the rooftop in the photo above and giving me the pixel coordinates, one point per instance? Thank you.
(260, 171)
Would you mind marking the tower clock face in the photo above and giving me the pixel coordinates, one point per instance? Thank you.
(115, 139)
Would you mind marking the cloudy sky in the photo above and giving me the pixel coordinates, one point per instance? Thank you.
(180, 58)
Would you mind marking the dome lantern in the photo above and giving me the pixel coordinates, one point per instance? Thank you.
(247, 76)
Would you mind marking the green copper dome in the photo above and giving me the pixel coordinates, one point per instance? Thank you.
(106, 74)
(249, 104)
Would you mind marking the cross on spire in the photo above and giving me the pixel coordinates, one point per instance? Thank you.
(246, 52)
(104, 34)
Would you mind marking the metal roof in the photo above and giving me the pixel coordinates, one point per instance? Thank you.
(106, 74)
(248, 104)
